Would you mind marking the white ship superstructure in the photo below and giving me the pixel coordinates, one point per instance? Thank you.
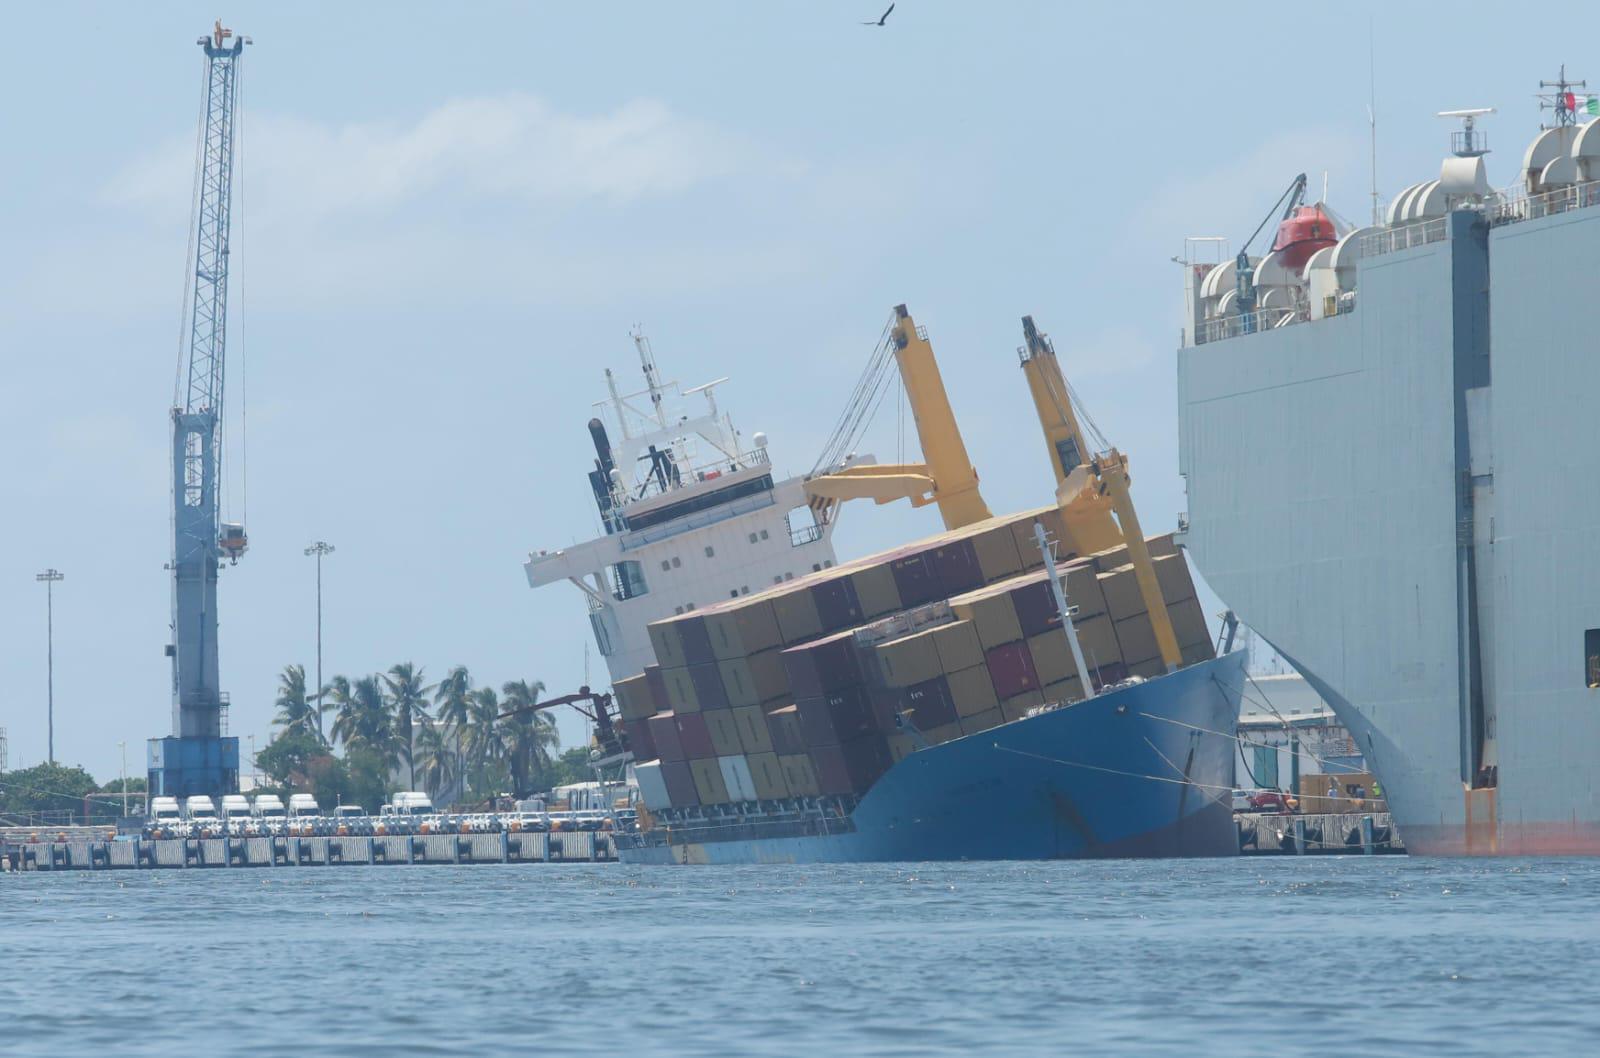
(1391, 455)
(692, 514)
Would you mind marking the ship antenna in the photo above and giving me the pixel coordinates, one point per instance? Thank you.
(1562, 100)
(1372, 117)
(647, 360)
(1066, 612)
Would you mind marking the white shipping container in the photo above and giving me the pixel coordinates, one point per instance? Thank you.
(652, 786)
(736, 775)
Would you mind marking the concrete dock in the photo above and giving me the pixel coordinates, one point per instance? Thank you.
(184, 853)
(1318, 834)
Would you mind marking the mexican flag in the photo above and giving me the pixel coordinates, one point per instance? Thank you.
(1593, 105)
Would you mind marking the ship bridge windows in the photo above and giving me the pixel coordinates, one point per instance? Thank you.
(627, 580)
(1591, 658)
(803, 527)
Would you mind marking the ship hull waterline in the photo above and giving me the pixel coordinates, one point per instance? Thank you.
(1140, 771)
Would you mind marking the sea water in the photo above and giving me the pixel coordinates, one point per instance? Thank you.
(1280, 956)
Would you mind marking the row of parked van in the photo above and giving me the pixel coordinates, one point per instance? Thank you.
(410, 812)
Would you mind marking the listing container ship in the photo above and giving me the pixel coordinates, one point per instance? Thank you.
(1037, 686)
(1391, 450)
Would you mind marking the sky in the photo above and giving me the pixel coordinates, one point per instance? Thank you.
(450, 216)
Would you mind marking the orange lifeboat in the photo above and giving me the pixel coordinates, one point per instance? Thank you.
(1302, 233)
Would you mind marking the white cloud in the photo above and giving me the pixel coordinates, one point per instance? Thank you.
(514, 146)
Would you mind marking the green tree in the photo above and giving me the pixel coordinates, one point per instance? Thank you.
(572, 767)
(367, 770)
(528, 736)
(363, 718)
(46, 788)
(288, 759)
(437, 760)
(452, 704)
(485, 742)
(296, 711)
(406, 697)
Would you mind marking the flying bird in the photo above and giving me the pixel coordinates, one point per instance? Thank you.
(882, 20)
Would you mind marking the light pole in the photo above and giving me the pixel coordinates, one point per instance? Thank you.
(253, 782)
(124, 746)
(319, 549)
(50, 576)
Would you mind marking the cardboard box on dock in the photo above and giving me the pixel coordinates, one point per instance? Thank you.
(799, 775)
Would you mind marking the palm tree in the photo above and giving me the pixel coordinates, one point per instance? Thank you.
(340, 701)
(452, 707)
(363, 718)
(528, 735)
(436, 758)
(295, 711)
(407, 697)
(485, 741)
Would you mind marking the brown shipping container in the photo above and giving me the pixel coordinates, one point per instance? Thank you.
(1137, 639)
(972, 691)
(835, 717)
(695, 736)
(766, 669)
(754, 735)
(1052, 657)
(1097, 638)
(724, 730)
(929, 703)
(640, 742)
(1172, 573)
(1121, 589)
(1011, 669)
(822, 665)
(708, 689)
(1107, 674)
(875, 590)
(955, 567)
(903, 662)
(1189, 623)
(837, 605)
(1017, 707)
(656, 680)
(744, 629)
(708, 782)
(680, 783)
(666, 645)
(1148, 669)
(1027, 545)
(971, 725)
(796, 614)
(680, 690)
(634, 700)
(996, 549)
(1064, 691)
(958, 646)
(991, 613)
(788, 737)
(799, 774)
(1035, 605)
(768, 776)
(1111, 558)
(851, 767)
(1197, 652)
(914, 580)
(664, 733)
(738, 682)
(941, 735)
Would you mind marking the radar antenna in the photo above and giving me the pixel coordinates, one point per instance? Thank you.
(1467, 142)
(1563, 100)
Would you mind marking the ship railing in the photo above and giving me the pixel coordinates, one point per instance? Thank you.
(1232, 326)
(1405, 236)
(1546, 204)
(903, 624)
(756, 457)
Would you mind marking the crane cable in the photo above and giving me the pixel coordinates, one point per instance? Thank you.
(239, 285)
(862, 404)
(186, 310)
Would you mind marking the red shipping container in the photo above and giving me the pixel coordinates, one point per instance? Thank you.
(656, 680)
(664, 733)
(823, 665)
(696, 640)
(836, 717)
(914, 580)
(1011, 669)
(1036, 607)
(680, 783)
(955, 567)
(851, 767)
(837, 604)
(709, 690)
(695, 737)
(640, 740)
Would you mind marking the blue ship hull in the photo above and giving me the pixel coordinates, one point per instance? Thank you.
(1144, 770)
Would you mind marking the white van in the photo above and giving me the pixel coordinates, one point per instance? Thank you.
(270, 813)
(201, 816)
(236, 814)
(166, 816)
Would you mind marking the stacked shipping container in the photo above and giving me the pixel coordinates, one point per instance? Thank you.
(818, 686)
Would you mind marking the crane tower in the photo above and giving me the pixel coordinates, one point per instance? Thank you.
(197, 758)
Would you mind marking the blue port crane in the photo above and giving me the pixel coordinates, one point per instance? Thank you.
(198, 758)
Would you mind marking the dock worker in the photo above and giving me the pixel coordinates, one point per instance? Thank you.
(1333, 789)
(1377, 790)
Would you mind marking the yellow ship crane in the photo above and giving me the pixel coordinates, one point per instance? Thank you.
(1089, 488)
(946, 477)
